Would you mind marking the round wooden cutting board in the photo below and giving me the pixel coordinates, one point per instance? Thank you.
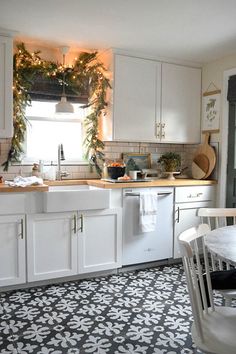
(204, 160)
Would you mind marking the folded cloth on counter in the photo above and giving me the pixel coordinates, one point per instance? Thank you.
(147, 211)
(25, 181)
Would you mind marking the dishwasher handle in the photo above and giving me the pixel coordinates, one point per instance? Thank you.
(130, 194)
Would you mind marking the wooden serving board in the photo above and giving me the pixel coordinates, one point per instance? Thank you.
(204, 160)
(197, 172)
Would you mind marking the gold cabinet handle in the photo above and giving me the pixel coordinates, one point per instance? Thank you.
(81, 229)
(21, 235)
(158, 130)
(75, 224)
(177, 211)
(163, 134)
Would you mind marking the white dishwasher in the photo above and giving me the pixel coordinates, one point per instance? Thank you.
(141, 247)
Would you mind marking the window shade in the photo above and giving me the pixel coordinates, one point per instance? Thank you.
(49, 89)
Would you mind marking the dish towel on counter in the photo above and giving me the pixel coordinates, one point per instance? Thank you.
(147, 211)
(25, 181)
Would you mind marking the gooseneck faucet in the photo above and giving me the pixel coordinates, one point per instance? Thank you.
(60, 157)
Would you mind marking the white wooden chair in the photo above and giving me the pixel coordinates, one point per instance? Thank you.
(215, 218)
(213, 329)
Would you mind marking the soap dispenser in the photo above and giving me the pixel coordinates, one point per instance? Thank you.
(52, 172)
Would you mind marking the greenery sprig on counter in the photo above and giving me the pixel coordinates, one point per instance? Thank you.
(86, 70)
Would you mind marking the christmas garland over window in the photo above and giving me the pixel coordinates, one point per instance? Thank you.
(26, 66)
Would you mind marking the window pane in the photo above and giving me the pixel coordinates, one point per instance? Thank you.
(43, 138)
(46, 130)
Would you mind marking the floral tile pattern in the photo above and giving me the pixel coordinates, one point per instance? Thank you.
(141, 312)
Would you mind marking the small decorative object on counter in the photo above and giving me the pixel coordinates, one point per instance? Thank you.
(50, 172)
(116, 169)
(134, 174)
(105, 172)
(35, 170)
(41, 168)
(170, 161)
(1, 179)
(171, 164)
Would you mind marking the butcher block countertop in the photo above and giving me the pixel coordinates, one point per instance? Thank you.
(108, 185)
(155, 183)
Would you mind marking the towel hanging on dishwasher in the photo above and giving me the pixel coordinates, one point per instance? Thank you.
(147, 211)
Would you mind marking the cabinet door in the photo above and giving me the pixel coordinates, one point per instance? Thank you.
(6, 82)
(51, 245)
(136, 98)
(186, 217)
(181, 102)
(99, 246)
(12, 250)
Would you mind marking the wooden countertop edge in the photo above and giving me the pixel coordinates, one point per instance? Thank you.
(155, 183)
(4, 188)
(108, 185)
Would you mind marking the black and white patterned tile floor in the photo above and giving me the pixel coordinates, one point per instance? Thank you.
(141, 312)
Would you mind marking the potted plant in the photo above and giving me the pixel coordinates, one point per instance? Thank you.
(170, 161)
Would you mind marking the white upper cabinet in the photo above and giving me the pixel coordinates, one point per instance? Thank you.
(153, 102)
(6, 82)
(136, 98)
(181, 93)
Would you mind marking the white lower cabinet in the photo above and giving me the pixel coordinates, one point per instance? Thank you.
(100, 240)
(187, 202)
(51, 245)
(12, 250)
(70, 243)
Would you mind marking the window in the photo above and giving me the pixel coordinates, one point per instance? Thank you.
(46, 130)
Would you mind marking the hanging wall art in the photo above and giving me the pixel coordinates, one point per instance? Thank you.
(211, 111)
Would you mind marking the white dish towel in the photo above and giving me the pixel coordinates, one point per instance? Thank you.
(147, 211)
(20, 181)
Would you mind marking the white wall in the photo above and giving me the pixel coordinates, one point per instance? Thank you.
(214, 72)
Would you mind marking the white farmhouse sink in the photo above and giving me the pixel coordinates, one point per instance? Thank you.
(75, 197)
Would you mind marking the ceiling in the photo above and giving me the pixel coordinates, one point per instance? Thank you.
(193, 30)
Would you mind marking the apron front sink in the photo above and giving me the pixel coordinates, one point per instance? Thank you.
(75, 197)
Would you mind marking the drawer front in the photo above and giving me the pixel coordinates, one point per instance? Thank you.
(12, 203)
(194, 194)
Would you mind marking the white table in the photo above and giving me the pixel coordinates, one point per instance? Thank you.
(222, 243)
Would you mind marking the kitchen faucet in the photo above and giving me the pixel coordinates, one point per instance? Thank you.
(60, 157)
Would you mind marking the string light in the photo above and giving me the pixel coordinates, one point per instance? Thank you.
(85, 66)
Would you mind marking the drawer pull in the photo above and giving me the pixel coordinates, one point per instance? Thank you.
(194, 195)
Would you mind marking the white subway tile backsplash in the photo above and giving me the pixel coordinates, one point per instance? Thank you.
(113, 151)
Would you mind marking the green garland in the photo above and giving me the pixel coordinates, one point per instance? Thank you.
(86, 69)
